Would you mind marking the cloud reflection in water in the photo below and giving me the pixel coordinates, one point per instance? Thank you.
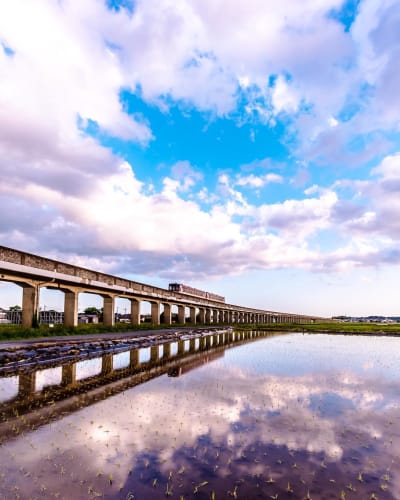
(235, 427)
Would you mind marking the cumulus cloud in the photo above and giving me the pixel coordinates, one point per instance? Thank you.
(258, 181)
(62, 75)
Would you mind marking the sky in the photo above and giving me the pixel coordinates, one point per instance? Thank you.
(251, 149)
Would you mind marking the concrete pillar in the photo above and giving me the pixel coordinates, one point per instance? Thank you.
(193, 315)
(202, 316)
(108, 311)
(134, 358)
(30, 302)
(215, 318)
(155, 313)
(154, 353)
(106, 364)
(166, 351)
(135, 312)
(181, 315)
(26, 384)
(208, 315)
(68, 374)
(192, 344)
(181, 347)
(208, 341)
(70, 308)
(167, 314)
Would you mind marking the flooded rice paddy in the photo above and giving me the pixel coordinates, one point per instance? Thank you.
(245, 416)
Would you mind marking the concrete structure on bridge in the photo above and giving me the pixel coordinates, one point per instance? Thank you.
(32, 272)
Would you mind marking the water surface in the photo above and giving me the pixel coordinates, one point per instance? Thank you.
(286, 416)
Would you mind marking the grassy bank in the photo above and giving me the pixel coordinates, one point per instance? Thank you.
(353, 328)
(16, 332)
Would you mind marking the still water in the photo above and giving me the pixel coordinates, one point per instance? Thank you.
(282, 416)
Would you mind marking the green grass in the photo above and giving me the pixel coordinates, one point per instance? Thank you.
(16, 332)
(353, 328)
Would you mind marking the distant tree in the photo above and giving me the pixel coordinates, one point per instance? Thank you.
(92, 310)
(15, 308)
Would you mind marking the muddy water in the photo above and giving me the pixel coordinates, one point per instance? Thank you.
(283, 416)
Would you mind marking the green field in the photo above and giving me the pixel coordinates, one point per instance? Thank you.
(9, 332)
(353, 328)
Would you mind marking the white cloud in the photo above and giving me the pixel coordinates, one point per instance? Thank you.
(284, 97)
(61, 69)
(69, 64)
(258, 181)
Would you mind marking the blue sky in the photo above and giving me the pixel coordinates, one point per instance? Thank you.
(250, 149)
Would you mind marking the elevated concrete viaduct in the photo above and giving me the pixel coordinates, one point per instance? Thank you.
(32, 272)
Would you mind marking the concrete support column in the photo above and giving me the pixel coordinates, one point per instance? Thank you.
(208, 341)
(70, 308)
(154, 353)
(192, 344)
(166, 351)
(106, 364)
(167, 314)
(181, 347)
(135, 312)
(215, 316)
(202, 316)
(134, 358)
(208, 315)
(30, 302)
(181, 315)
(193, 315)
(68, 374)
(108, 311)
(26, 384)
(155, 313)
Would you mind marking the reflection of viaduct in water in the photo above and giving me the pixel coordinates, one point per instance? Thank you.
(190, 365)
(31, 408)
(33, 272)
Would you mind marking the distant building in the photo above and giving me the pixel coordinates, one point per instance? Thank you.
(47, 317)
(84, 319)
(3, 316)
